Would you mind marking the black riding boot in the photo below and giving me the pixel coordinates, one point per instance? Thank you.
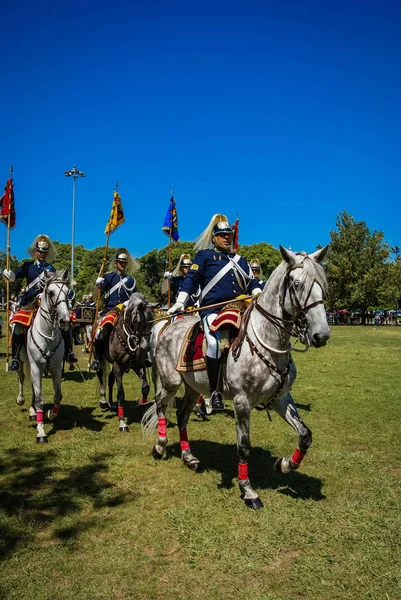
(17, 342)
(95, 364)
(70, 356)
(213, 372)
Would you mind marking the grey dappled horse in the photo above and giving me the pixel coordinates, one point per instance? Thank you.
(45, 347)
(259, 367)
(125, 348)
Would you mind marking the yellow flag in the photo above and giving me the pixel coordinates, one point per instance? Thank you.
(116, 216)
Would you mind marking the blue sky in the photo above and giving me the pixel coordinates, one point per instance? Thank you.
(283, 112)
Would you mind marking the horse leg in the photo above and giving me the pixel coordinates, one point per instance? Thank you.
(21, 380)
(32, 409)
(118, 373)
(104, 405)
(188, 403)
(36, 376)
(112, 378)
(286, 408)
(163, 398)
(145, 387)
(242, 420)
(53, 412)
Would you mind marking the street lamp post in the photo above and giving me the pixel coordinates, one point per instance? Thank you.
(75, 174)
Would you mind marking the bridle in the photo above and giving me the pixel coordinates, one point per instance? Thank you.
(132, 334)
(296, 325)
(49, 315)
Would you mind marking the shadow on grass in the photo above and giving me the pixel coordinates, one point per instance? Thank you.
(223, 459)
(34, 493)
(71, 417)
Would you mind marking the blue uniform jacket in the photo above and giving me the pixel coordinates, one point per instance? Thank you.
(122, 291)
(206, 264)
(32, 270)
(176, 286)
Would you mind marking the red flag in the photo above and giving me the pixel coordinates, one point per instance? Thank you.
(235, 236)
(7, 204)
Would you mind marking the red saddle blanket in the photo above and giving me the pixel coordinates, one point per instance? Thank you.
(193, 348)
(109, 319)
(23, 317)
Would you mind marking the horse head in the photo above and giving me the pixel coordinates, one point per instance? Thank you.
(138, 319)
(303, 293)
(54, 297)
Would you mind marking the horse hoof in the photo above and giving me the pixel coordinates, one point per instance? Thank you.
(254, 503)
(277, 465)
(155, 454)
(42, 439)
(20, 401)
(194, 466)
(104, 405)
(123, 429)
(113, 407)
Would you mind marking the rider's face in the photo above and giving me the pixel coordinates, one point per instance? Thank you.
(40, 255)
(223, 241)
(256, 273)
(121, 265)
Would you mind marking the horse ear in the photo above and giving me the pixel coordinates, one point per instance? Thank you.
(319, 255)
(64, 275)
(288, 256)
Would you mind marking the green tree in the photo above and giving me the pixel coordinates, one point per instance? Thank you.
(268, 256)
(356, 264)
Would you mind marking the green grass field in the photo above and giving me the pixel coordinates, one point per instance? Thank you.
(92, 515)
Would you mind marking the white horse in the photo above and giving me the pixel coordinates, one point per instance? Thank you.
(258, 368)
(45, 347)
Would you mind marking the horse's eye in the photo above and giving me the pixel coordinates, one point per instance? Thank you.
(296, 283)
(51, 294)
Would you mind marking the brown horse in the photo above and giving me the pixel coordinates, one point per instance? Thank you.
(125, 347)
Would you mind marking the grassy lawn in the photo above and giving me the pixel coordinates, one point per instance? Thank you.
(92, 515)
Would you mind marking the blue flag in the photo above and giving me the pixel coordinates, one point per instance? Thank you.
(170, 225)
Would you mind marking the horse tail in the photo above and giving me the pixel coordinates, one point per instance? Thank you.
(149, 421)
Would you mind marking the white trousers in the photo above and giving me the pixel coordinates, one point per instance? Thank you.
(213, 338)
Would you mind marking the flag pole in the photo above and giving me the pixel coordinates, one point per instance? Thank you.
(169, 268)
(8, 283)
(99, 290)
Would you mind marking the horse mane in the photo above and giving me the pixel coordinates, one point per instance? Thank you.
(137, 297)
(56, 277)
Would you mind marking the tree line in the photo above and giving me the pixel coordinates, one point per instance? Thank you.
(361, 272)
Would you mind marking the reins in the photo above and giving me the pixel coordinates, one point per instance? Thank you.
(49, 316)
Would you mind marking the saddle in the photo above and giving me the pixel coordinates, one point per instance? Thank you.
(111, 317)
(25, 315)
(194, 346)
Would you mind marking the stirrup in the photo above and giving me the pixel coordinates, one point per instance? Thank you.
(217, 401)
(14, 365)
(94, 366)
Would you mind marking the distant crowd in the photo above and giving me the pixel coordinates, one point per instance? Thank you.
(373, 317)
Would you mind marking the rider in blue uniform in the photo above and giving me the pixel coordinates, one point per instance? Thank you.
(222, 276)
(255, 266)
(117, 286)
(177, 278)
(43, 251)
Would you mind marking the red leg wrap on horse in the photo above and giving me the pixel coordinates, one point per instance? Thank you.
(55, 410)
(298, 456)
(120, 412)
(243, 471)
(184, 440)
(162, 428)
(39, 416)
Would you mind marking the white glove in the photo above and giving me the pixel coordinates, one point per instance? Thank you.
(178, 307)
(99, 281)
(256, 292)
(8, 275)
(167, 275)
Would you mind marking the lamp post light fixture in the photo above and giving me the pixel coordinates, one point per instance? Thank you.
(74, 173)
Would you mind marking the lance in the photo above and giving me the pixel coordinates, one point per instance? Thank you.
(191, 311)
